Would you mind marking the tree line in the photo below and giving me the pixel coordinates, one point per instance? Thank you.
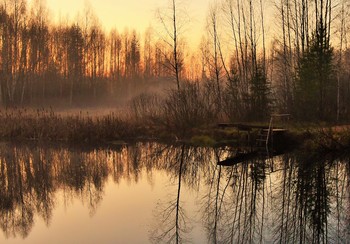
(300, 67)
(69, 61)
(244, 68)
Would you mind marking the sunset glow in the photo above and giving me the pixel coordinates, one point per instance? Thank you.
(131, 14)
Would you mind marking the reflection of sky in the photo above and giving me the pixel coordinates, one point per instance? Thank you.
(133, 14)
(125, 215)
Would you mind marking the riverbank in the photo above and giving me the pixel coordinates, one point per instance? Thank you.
(117, 128)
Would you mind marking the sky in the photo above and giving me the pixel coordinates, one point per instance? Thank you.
(132, 14)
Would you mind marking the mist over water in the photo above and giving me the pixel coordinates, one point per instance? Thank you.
(253, 59)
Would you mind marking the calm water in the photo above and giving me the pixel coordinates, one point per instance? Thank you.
(154, 193)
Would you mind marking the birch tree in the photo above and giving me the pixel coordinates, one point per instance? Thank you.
(173, 24)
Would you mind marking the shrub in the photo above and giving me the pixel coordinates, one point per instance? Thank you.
(188, 107)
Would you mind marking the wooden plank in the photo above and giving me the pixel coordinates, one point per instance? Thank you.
(280, 115)
(242, 126)
(276, 130)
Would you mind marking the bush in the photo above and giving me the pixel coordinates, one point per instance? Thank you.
(147, 108)
(188, 107)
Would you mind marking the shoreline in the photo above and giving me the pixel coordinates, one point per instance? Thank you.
(46, 126)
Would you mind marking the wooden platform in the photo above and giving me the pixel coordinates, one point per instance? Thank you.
(245, 127)
(276, 130)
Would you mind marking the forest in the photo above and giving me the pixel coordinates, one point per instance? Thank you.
(254, 59)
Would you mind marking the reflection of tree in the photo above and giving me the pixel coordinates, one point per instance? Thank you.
(96, 177)
(234, 204)
(311, 200)
(186, 167)
(303, 200)
(211, 205)
(179, 212)
(173, 218)
(345, 196)
(42, 181)
(83, 175)
(340, 186)
(315, 197)
(30, 177)
(16, 213)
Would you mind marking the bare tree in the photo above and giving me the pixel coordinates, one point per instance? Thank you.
(13, 26)
(173, 26)
(39, 45)
(75, 59)
(214, 61)
(115, 55)
(148, 61)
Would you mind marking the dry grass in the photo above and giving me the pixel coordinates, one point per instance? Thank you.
(187, 114)
(43, 124)
(324, 138)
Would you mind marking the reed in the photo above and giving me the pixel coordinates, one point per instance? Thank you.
(45, 124)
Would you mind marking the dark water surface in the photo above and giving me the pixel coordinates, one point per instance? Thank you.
(154, 193)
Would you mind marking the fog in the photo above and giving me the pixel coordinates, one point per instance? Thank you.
(240, 70)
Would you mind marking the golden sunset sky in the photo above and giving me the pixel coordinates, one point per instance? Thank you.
(132, 14)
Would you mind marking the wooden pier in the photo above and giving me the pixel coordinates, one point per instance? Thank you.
(265, 132)
(264, 141)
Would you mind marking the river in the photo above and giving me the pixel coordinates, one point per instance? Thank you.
(157, 193)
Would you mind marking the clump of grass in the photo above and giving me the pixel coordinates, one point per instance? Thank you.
(327, 139)
(202, 140)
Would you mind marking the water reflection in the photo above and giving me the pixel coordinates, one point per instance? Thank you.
(288, 199)
(236, 203)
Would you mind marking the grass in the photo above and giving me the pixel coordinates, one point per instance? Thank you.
(20, 124)
(115, 128)
(327, 139)
(202, 140)
(82, 127)
(41, 124)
